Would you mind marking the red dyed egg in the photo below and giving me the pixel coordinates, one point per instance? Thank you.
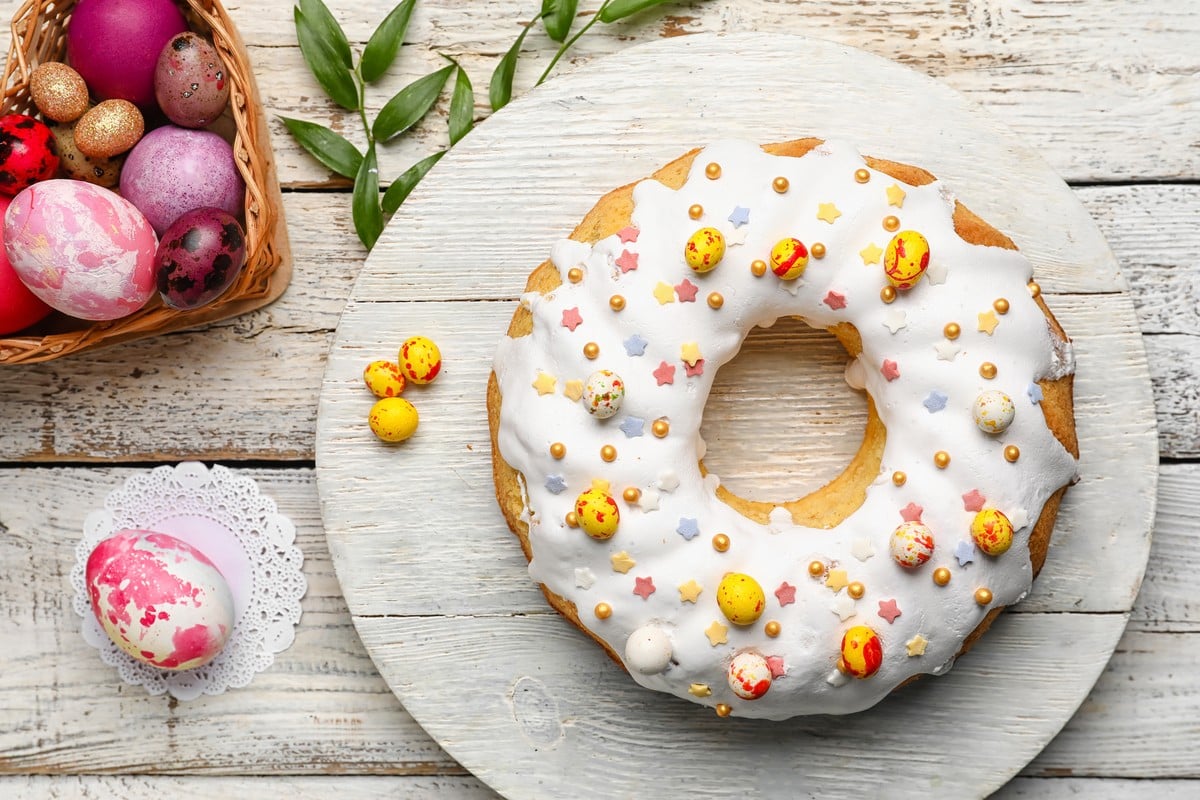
(19, 307)
(28, 152)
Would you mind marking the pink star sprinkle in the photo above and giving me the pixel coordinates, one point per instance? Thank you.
(628, 234)
(890, 370)
(627, 261)
(686, 291)
(973, 500)
(775, 664)
(692, 370)
(786, 594)
(835, 300)
(889, 610)
(644, 587)
(911, 513)
(665, 373)
(571, 319)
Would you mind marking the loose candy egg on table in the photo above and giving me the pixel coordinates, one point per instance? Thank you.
(420, 360)
(740, 598)
(906, 259)
(109, 129)
(384, 379)
(19, 307)
(190, 81)
(74, 164)
(393, 419)
(159, 599)
(704, 249)
(28, 152)
(58, 91)
(789, 258)
(82, 249)
(199, 257)
(115, 44)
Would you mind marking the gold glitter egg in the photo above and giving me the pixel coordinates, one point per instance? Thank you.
(780, 184)
(941, 459)
(591, 350)
(983, 596)
(891, 223)
(952, 330)
(574, 274)
(724, 709)
(58, 91)
(862, 175)
(109, 129)
(817, 250)
(696, 211)
(1001, 305)
(1034, 289)
(1012, 453)
(941, 576)
(856, 590)
(772, 628)
(712, 171)
(632, 494)
(608, 453)
(660, 428)
(987, 370)
(899, 478)
(558, 450)
(888, 294)
(603, 611)
(715, 300)
(572, 519)
(720, 543)
(616, 302)
(758, 267)
(816, 568)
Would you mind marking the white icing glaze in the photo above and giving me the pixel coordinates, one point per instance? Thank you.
(668, 531)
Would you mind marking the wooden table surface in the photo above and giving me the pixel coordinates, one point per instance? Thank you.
(1108, 91)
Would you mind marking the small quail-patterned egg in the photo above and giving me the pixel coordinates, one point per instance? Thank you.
(789, 257)
(58, 92)
(420, 360)
(384, 378)
(603, 393)
(862, 652)
(393, 419)
(704, 249)
(994, 411)
(992, 532)
(191, 83)
(749, 675)
(104, 172)
(648, 650)
(597, 513)
(741, 598)
(906, 259)
(911, 544)
(109, 129)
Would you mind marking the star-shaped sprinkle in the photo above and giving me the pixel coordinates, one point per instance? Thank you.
(735, 237)
(668, 481)
(690, 352)
(635, 346)
(688, 592)
(739, 216)
(911, 513)
(890, 370)
(835, 300)
(584, 577)
(601, 485)
(946, 350)
(895, 195)
(964, 551)
(934, 402)
(644, 587)
(988, 322)
(935, 273)
(573, 390)
(786, 594)
(545, 383)
(555, 484)
(699, 690)
(633, 427)
(628, 234)
(665, 373)
(1019, 518)
(648, 501)
(827, 212)
(664, 293)
(973, 500)
(843, 606)
(836, 579)
(870, 254)
(776, 665)
(895, 319)
(889, 610)
(627, 261)
(716, 633)
(1034, 391)
(622, 562)
(688, 528)
(692, 370)
(862, 549)
(571, 319)
(686, 291)
(916, 645)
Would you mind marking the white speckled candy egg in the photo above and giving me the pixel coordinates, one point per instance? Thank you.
(749, 675)
(81, 249)
(994, 411)
(159, 599)
(648, 650)
(911, 544)
(603, 393)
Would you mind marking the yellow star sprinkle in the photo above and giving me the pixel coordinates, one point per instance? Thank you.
(916, 645)
(688, 592)
(827, 212)
(988, 322)
(836, 579)
(895, 196)
(601, 485)
(870, 254)
(622, 562)
(716, 633)
(699, 690)
(573, 390)
(690, 353)
(664, 293)
(545, 383)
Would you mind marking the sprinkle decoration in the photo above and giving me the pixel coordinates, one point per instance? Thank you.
(643, 587)
(686, 291)
(665, 374)
(773, 628)
(591, 351)
(780, 184)
(622, 562)
(890, 370)
(571, 318)
(983, 596)
(712, 171)
(720, 543)
(688, 528)
(602, 611)
(815, 568)
(911, 512)
(758, 268)
(558, 450)
(608, 453)
(817, 250)
(660, 428)
(862, 175)
(862, 652)
(973, 500)
(964, 552)
(739, 216)
(635, 346)
(988, 322)
(916, 646)
(704, 249)
(616, 302)
(835, 300)
(717, 633)
(573, 390)
(715, 300)
(856, 590)
(696, 211)
(836, 580)
(633, 427)
(1012, 453)
(789, 257)
(992, 532)
(740, 598)
(941, 576)
(888, 610)
(723, 710)
(827, 212)
(870, 255)
(941, 459)
(575, 275)
(628, 234)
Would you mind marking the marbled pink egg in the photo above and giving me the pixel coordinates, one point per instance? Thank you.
(81, 249)
(159, 599)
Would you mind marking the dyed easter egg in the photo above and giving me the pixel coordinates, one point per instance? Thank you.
(82, 249)
(912, 544)
(789, 257)
(749, 675)
(597, 513)
(740, 598)
(28, 152)
(19, 307)
(603, 393)
(905, 259)
(104, 172)
(384, 378)
(114, 44)
(109, 129)
(992, 532)
(174, 170)
(190, 81)
(58, 91)
(862, 652)
(648, 650)
(704, 249)
(199, 257)
(420, 360)
(159, 599)
(994, 411)
(393, 419)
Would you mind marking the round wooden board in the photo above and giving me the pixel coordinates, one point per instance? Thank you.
(438, 586)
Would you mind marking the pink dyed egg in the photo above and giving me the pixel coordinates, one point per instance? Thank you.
(19, 307)
(174, 170)
(81, 249)
(159, 599)
(114, 45)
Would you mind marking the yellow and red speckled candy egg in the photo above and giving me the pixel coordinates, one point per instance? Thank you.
(789, 257)
(384, 379)
(862, 652)
(906, 259)
(603, 393)
(704, 249)
(994, 411)
(912, 544)
(597, 513)
(393, 419)
(740, 598)
(992, 532)
(749, 675)
(420, 360)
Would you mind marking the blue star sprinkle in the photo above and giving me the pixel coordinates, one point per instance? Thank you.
(935, 402)
(740, 216)
(635, 346)
(1035, 393)
(688, 528)
(555, 484)
(632, 426)
(964, 551)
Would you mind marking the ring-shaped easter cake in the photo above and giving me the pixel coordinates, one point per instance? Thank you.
(825, 603)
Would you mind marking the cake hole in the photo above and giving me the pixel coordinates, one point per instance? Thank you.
(781, 422)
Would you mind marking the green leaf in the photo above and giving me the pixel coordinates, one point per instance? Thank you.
(385, 41)
(328, 29)
(328, 147)
(462, 107)
(368, 218)
(410, 104)
(557, 16)
(500, 89)
(325, 64)
(402, 187)
(620, 9)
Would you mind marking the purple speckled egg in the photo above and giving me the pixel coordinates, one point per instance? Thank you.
(81, 249)
(174, 170)
(199, 257)
(114, 45)
(190, 82)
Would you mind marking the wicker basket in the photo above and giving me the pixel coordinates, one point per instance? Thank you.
(38, 35)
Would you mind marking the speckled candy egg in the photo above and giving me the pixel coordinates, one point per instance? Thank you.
(174, 170)
(704, 249)
(28, 152)
(199, 257)
(19, 307)
(648, 650)
(905, 259)
(384, 379)
(104, 172)
(992, 532)
(58, 91)
(862, 652)
(603, 393)
(159, 599)
(420, 360)
(81, 249)
(789, 257)
(190, 81)
(740, 598)
(115, 44)
(749, 675)
(994, 411)
(393, 419)
(597, 513)
(912, 544)
(109, 129)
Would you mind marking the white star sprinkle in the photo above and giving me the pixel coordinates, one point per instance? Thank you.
(936, 273)
(947, 350)
(862, 549)
(668, 481)
(895, 319)
(843, 606)
(735, 237)
(648, 501)
(584, 578)
(1019, 518)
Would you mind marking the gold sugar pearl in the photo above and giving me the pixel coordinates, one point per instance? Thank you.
(632, 494)
(941, 576)
(1012, 453)
(862, 175)
(856, 590)
(952, 330)
(772, 628)
(1001, 305)
(988, 370)
(888, 294)
(558, 450)
(1034, 289)
(891, 223)
(616, 302)
(899, 478)
(816, 568)
(817, 250)
(715, 300)
(780, 184)
(572, 520)
(591, 350)
(724, 709)
(608, 453)
(574, 274)
(758, 267)
(941, 459)
(983, 596)
(660, 428)
(720, 543)
(696, 211)
(712, 171)
(603, 611)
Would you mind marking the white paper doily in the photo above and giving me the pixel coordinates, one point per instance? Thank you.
(224, 516)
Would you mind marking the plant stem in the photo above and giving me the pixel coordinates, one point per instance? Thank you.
(565, 46)
(362, 102)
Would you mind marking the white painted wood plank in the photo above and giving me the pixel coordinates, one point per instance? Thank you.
(1168, 600)
(145, 787)
(1023, 788)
